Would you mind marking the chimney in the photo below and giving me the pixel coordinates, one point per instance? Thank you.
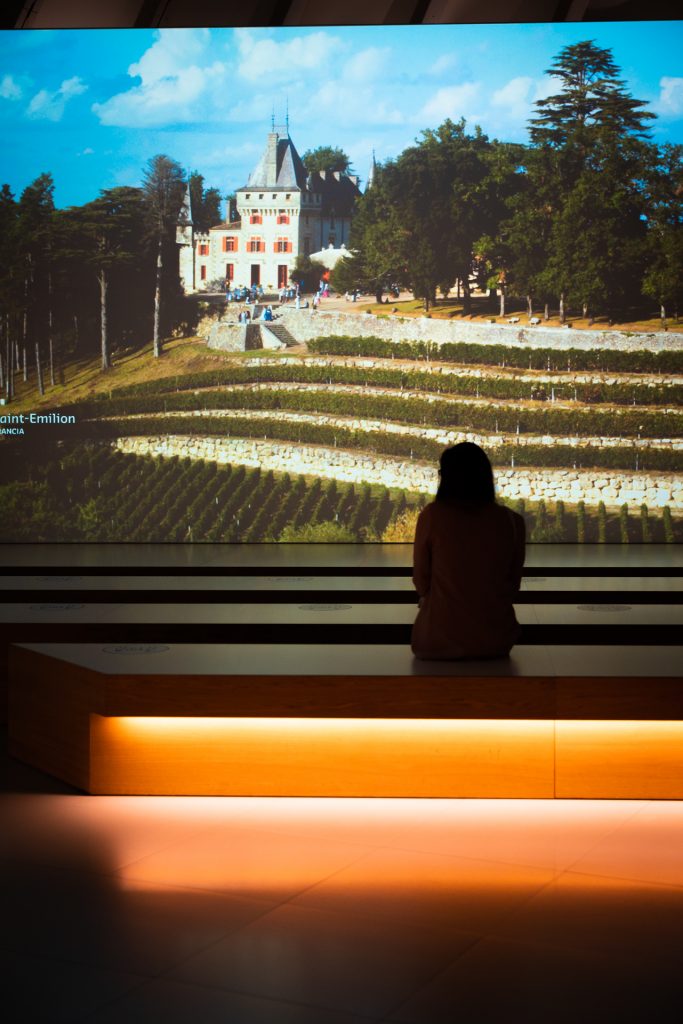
(271, 160)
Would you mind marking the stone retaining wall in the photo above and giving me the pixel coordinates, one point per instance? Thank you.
(443, 435)
(569, 485)
(305, 325)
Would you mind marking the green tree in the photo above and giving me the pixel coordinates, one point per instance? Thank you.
(106, 238)
(164, 188)
(205, 203)
(663, 280)
(34, 234)
(307, 272)
(418, 222)
(525, 233)
(380, 240)
(325, 158)
(593, 136)
(9, 295)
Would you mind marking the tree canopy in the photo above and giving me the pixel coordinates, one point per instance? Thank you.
(325, 158)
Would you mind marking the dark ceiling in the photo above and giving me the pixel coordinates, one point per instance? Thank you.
(179, 13)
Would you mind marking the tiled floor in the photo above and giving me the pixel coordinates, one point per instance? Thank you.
(291, 911)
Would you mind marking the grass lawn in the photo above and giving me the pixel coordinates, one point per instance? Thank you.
(84, 379)
(447, 309)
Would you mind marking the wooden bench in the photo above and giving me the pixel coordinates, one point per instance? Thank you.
(320, 720)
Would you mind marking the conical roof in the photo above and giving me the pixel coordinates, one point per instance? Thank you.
(280, 166)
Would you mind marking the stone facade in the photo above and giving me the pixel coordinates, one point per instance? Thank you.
(568, 485)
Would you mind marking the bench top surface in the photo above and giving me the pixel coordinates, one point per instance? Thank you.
(329, 661)
(339, 612)
(288, 557)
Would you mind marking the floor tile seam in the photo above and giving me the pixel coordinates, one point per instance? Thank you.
(519, 907)
(675, 886)
(162, 849)
(388, 921)
(537, 866)
(437, 974)
(255, 994)
(237, 894)
(166, 972)
(608, 834)
(258, 995)
(326, 878)
(621, 956)
(94, 1013)
(228, 894)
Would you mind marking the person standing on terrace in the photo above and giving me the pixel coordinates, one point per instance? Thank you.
(467, 563)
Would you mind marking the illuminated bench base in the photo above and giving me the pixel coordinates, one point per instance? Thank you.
(496, 729)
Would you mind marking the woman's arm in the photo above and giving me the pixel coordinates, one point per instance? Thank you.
(422, 555)
(519, 550)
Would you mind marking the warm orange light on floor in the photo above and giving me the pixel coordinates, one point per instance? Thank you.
(322, 757)
(386, 757)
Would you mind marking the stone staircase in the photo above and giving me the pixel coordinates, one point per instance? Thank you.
(279, 331)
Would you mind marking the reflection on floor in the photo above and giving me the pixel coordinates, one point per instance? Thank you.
(304, 911)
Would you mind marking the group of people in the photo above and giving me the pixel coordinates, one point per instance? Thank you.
(245, 317)
(243, 294)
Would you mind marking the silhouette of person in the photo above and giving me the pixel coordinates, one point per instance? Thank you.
(467, 563)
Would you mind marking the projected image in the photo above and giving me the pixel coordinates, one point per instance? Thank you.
(253, 282)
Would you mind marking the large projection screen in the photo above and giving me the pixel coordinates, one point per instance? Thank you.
(253, 281)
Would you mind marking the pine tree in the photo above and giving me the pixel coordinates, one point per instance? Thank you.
(9, 298)
(104, 237)
(164, 187)
(594, 136)
(663, 280)
(34, 232)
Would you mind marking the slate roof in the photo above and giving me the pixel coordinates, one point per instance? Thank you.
(290, 171)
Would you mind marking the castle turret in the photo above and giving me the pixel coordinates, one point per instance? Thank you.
(184, 236)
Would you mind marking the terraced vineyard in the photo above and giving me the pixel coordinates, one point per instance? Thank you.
(346, 437)
(96, 493)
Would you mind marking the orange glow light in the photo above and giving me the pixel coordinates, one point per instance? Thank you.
(386, 757)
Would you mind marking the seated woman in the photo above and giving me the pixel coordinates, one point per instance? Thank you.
(467, 563)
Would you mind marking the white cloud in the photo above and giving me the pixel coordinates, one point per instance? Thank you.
(9, 90)
(670, 100)
(366, 65)
(50, 106)
(267, 60)
(87, 151)
(442, 64)
(173, 81)
(453, 101)
(514, 97)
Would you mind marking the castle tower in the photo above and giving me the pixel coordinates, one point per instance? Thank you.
(184, 236)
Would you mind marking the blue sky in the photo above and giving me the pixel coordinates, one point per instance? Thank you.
(92, 106)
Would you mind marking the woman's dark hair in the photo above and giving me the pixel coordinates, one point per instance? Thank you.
(466, 475)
